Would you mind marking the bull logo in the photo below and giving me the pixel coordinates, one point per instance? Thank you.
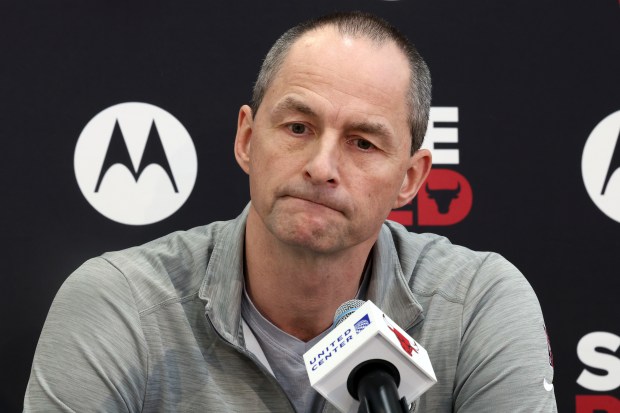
(443, 197)
(404, 341)
(435, 203)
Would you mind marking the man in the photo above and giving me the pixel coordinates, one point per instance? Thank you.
(217, 318)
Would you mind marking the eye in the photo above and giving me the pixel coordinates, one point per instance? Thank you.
(297, 128)
(363, 144)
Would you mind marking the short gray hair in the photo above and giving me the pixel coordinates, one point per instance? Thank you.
(357, 24)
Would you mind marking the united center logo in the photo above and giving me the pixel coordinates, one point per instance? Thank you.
(600, 166)
(362, 324)
(135, 163)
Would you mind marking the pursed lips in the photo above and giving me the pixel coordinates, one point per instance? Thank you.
(330, 205)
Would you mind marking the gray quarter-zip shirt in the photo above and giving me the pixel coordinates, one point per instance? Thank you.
(158, 328)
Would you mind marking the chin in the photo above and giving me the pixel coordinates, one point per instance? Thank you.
(320, 239)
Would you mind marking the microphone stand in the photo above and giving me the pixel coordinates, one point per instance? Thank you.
(375, 384)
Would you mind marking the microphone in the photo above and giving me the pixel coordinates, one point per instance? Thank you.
(367, 361)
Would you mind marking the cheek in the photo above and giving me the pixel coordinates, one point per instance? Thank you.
(268, 172)
(261, 160)
(380, 185)
(379, 194)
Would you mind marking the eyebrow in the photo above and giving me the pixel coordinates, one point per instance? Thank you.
(291, 104)
(294, 105)
(371, 128)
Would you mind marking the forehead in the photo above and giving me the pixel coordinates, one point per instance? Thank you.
(349, 72)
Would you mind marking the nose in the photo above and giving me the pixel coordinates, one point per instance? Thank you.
(323, 162)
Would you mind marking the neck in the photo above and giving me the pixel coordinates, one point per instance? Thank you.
(296, 289)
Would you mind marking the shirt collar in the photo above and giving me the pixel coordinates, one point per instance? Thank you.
(389, 286)
(223, 283)
(222, 286)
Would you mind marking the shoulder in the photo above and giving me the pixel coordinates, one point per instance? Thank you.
(171, 267)
(483, 326)
(431, 265)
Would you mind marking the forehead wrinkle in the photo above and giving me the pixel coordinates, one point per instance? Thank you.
(297, 80)
(303, 80)
(340, 83)
(298, 105)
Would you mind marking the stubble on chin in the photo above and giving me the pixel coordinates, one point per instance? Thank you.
(302, 230)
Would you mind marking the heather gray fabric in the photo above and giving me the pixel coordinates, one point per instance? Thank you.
(158, 328)
(284, 353)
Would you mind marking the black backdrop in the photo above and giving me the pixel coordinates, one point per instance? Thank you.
(530, 81)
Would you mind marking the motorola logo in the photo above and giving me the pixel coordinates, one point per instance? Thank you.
(600, 165)
(135, 163)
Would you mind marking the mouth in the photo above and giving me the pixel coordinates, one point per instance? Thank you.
(321, 203)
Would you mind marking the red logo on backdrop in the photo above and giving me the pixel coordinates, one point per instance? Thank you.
(596, 403)
(444, 199)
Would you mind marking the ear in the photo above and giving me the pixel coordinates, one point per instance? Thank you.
(245, 123)
(419, 167)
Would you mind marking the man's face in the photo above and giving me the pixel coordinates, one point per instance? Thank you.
(328, 151)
